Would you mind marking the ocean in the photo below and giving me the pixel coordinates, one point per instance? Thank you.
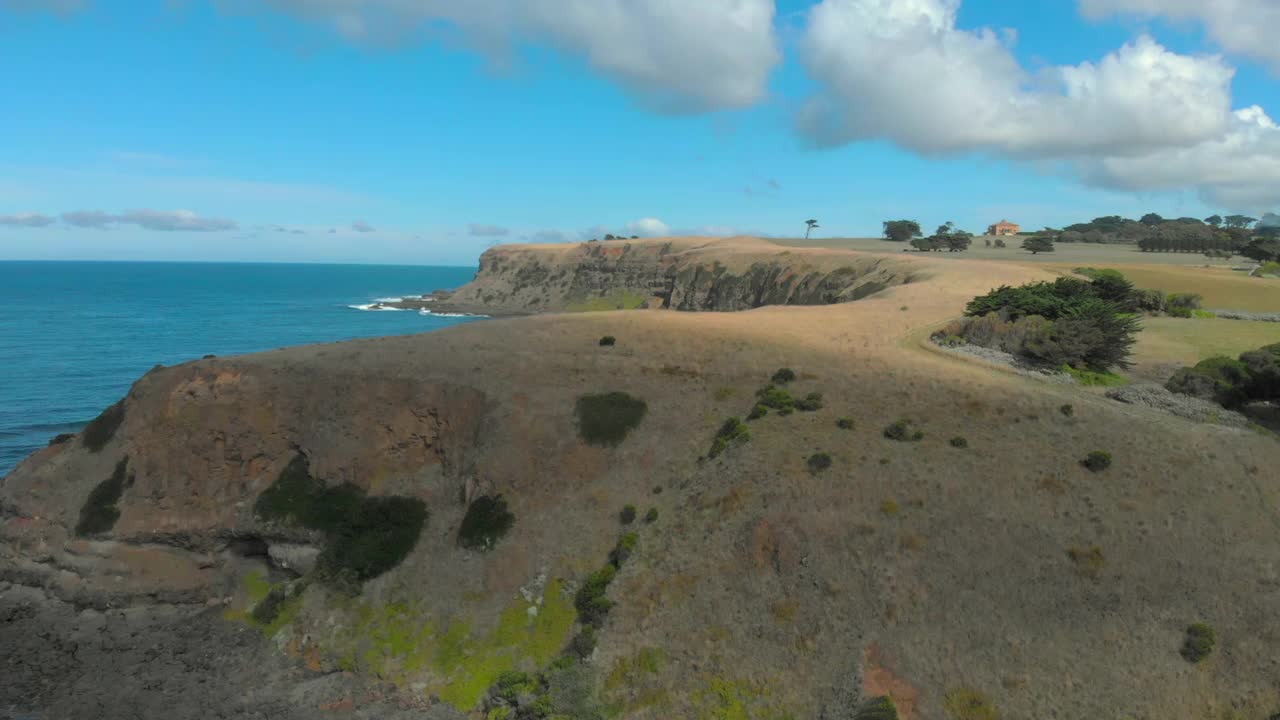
(75, 335)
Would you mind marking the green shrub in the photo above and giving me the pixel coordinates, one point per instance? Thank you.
(968, 704)
(101, 429)
(1270, 268)
(903, 431)
(1203, 314)
(628, 514)
(758, 412)
(1179, 312)
(376, 539)
(1097, 461)
(1067, 410)
(1183, 301)
(1150, 301)
(605, 420)
(269, 607)
(622, 551)
(783, 376)
(959, 442)
(608, 341)
(99, 512)
(879, 708)
(1090, 378)
(487, 521)
(845, 423)
(364, 537)
(590, 600)
(733, 431)
(1220, 379)
(1199, 643)
(775, 398)
(584, 643)
(818, 463)
(651, 517)
(511, 684)
(811, 403)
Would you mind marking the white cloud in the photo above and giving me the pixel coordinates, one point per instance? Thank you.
(88, 218)
(1239, 170)
(901, 70)
(676, 55)
(1142, 118)
(362, 227)
(160, 220)
(648, 227)
(1245, 27)
(32, 220)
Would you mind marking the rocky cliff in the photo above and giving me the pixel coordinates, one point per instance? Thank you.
(688, 274)
(400, 527)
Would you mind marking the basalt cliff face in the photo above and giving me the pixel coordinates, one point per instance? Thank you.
(999, 581)
(675, 274)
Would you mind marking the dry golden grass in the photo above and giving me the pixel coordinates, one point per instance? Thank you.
(1221, 288)
(1187, 342)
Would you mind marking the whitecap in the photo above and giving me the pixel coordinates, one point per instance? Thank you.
(375, 307)
(425, 311)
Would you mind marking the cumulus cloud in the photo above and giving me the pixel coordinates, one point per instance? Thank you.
(1239, 169)
(31, 220)
(676, 55)
(1245, 27)
(362, 226)
(901, 70)
(477, 230)
(648, 227)
(159, 220)
(1141, 118)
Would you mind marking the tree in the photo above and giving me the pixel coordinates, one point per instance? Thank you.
(1240, 221)
(1151, 220)
(811, 225)
(958, 240)
(1263, 250)
(1214, 220)
(1037, 244)
(901, 230)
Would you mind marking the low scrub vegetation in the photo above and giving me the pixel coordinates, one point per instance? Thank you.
(651, 517)
(1065, 322)
(99, 512)
(878, 708)
(364, 536)
(487, 521)
(845, 423)
(968, 704)
(959, 443)
(783, 376)
(1254, 376)
(810, 403)
(903, 431)
(1198, 644)
(818, 463)
(773, 397)
(732, 432)
(628, 515)
(604, 420)
(1097, 461)
(101, 429)
(608, 341)
(1088, 561)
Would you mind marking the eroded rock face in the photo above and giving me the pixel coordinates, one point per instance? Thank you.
(676, 275)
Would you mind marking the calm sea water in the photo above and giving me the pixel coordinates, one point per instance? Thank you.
(75, 335)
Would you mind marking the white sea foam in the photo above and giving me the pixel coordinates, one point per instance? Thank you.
(375, 307)
(387, 300)
(425, 311)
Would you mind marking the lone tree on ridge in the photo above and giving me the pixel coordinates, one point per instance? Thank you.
(811, 225)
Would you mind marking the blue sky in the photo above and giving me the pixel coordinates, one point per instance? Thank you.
(439, 132)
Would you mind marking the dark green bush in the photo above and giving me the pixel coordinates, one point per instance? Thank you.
(590, 600)
(1149, 301)
(845, 423)
(269, 607)
(608, 341)
(605, 420)
(61, 438)
(1199, 643)
(584, 643)
(486, 522)
(880, 708)
(623, 549)
(959, 442)
(651, 517)
(376, 539)
(818, 463)
(1220, 379)
(775, 398)
(628, 515)
(1183, 301)
(511, 684)
(1097, 461)
(364, 537)
(758, 412)
(733, 431)
(1067, 410)
(101, 429)
(99, 512)
(811, 403)
(783, 376)
(903, 431)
